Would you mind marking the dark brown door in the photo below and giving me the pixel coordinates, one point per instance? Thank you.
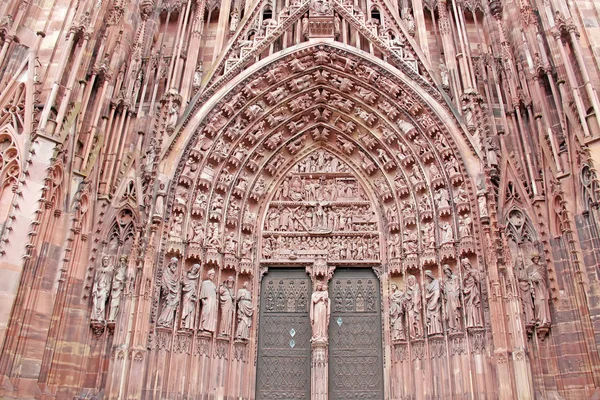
(283, 367)
(355, 350)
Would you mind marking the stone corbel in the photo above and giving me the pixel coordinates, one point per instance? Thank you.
(319, 270)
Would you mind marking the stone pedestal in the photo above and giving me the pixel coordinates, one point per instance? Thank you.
(319, 372)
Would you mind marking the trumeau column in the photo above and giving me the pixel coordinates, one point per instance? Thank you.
(320, 310)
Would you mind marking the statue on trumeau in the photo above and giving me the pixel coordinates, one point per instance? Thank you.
(320, 311)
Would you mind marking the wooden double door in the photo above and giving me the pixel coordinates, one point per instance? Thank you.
(355, 336)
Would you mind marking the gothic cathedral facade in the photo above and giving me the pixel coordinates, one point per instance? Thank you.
(299, 199)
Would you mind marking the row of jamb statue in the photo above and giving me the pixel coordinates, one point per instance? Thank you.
(176, 292)
(452, 293)
(409, 303)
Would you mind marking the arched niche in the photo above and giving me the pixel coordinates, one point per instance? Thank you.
(406, 150)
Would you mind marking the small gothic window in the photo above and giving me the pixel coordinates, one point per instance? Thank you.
(267, 14)
(375, 14)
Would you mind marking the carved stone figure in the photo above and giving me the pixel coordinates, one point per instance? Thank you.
(195, 232)
(319, 313)
(394, 246)
(452, 167)
(472, 294)
(428, 236)
(213, 238)
(452, 298)
(442, 198)
(434, 304)
(226, 300)
(190, 299)
(159, 204)
(444, 75)
(434, 172)
(150, 155)
(447, 236)
(235, 19)
(191, 165)
(482, 200)
(170, 294)
(175, 232)
(525, 292)
(172, 116)
(118, 286)
(464, 226)
(461, 195)
(244, 312)
(537, 277)
(397, 310)
(230, 244)
(410, 23)
(247, 246)
(208, 297)
(197, 79)
(413, 304)
(100, 290)
(305, 26)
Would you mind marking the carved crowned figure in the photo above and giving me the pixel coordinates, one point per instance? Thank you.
(320, 310)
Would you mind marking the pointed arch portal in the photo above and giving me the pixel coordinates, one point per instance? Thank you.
(323, 159)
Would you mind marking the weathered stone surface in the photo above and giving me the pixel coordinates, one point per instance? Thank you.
(159, 159)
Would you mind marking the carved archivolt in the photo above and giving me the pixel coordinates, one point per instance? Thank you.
(338, 107)
(322, 154)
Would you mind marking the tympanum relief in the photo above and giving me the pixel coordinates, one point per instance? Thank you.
(320, 209)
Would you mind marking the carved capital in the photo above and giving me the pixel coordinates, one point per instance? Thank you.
(320, 270)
